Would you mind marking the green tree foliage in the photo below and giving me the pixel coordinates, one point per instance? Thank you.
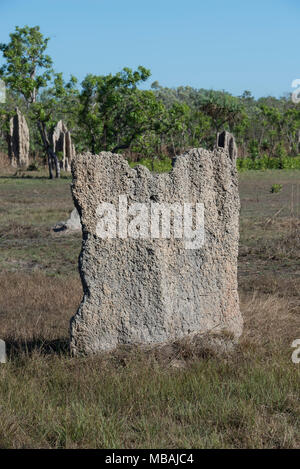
(27, 72)
(225, 110)
(25, 57)
(113, 113)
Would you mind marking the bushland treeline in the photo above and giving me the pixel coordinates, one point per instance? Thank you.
(113, 113)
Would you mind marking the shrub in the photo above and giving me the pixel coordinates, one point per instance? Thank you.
(276, 188)
(265, 162)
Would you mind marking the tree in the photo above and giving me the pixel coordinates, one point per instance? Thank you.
(56, 102)
(25, 56)
(28, 71)
(114, 112)
(225, 110)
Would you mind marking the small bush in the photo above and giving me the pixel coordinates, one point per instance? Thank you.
(276, 188)
(158, 165)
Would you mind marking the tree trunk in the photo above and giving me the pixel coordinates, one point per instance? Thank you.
(50, 167)
(51, 155)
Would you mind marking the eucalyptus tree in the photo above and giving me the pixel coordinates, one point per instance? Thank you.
(114, 112)
(28, 72)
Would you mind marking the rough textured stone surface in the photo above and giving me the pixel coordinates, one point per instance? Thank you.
(72, 224)
(18, 140)
(2, 352)
(154, 291)
(62, 143)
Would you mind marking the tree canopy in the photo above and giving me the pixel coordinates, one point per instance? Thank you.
(112, 112)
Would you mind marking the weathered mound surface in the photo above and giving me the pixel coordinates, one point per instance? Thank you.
(18, 140)
(70, 225)
(62, 143)
(147, 291)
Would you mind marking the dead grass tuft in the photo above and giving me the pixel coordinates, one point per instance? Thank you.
(36, 309)
(270, 319)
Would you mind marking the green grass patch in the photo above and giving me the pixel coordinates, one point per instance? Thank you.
(156, 165)
(59, 402)
(264, 162)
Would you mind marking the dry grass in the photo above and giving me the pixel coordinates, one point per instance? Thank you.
(4, 160)
(36, 308)
(270, 320)
(172, 396)
(41, 306)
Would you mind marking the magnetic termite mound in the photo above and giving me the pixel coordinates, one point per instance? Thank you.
(145, 289)
(18, 140)
(62, 143)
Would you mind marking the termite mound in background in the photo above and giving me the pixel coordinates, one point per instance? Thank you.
(18, 140)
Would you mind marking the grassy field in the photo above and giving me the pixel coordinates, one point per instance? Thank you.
(171, 397)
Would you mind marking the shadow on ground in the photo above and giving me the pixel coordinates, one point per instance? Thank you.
(17, 348)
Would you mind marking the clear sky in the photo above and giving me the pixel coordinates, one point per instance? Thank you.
(233, 45)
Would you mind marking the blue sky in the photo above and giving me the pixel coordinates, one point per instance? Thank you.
(232, 45)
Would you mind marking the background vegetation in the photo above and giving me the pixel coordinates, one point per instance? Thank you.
(112, 113)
